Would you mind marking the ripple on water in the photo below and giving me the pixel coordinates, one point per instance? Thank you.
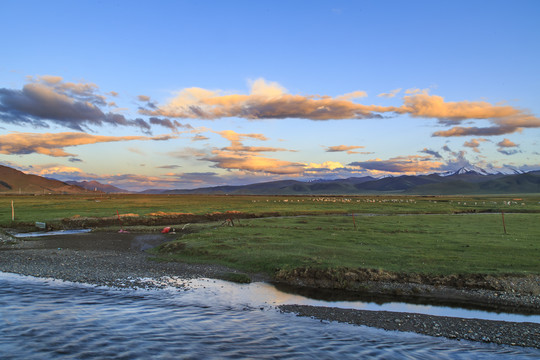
(50, 319)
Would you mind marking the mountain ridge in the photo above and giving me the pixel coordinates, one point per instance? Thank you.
(94, 185)
(460, 182)
(13, 181)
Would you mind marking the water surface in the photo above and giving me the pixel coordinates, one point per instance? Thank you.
(50, 319)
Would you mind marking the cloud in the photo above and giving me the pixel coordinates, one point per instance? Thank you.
(476, 131)
(199, 138)
(507, 143)
(327, 165)
(143, 98)
(239, 157)
(188, 153)
(390, 94)
(416, 91)
(168, 167)
(402, 164)
(136, 151)
(341, 148)
(504, 146)
(353, 95)
(266, 100)
(474, 144)
(237, 146)
(18, 143)
(172, 125)
(508, 152)
(504, 119)
(433, 153)
(269, 100)
(253, 163)
(50, 99)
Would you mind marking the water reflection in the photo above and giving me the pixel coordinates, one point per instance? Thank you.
(267, 294)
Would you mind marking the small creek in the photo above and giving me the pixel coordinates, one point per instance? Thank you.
(46, 318)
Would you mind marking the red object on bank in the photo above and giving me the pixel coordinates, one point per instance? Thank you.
(166, 230)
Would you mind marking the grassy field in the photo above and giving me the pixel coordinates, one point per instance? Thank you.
(56, 207)
(432, 244)
(422, 234)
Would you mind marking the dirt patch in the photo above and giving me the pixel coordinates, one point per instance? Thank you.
(154, 219)
(351, 279)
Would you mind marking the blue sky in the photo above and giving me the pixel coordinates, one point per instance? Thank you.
(182, 94)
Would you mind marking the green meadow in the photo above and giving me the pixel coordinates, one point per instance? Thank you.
(431, 244)
(51, 208)
(420, 234)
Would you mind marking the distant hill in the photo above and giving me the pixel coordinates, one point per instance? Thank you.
(97, 186)
(459, 182)
(16, 182)
(283, 187)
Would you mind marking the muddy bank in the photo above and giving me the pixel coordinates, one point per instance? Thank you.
(153, 219)
(501, 293)
(499, 332)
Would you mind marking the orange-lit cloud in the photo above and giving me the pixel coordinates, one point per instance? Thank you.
(353, 95)
(54, 144)
(413, 164)
(342, 148)
(266, 100)
(328, 165)
(474, 144)
(237, 146)
(508, 147)
(390, 94)
(477, 131)
(269, 100)
(506, 143)
(239, 157)
(504, 119)
(253, 163)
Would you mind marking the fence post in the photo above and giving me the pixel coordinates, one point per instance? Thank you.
(504, 225)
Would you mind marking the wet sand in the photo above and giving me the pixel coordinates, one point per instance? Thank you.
(114, 259)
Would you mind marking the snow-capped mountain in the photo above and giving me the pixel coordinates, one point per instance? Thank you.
(476, 170)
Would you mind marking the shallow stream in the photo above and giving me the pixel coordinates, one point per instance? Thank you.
(45, 318)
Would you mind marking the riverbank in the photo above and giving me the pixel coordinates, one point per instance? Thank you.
(499, 332)
(114, 259)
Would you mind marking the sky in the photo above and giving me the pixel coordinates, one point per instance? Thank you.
(188, 94)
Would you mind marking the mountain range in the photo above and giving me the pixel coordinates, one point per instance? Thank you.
(463, 181)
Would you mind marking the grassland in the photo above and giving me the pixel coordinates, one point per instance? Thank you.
(430, 244)
(54, 208)
(412, 234)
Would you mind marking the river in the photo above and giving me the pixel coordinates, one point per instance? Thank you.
(48, 319)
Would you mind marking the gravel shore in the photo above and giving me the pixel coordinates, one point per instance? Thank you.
(118, 260)
(109, 259)
(500, 332)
